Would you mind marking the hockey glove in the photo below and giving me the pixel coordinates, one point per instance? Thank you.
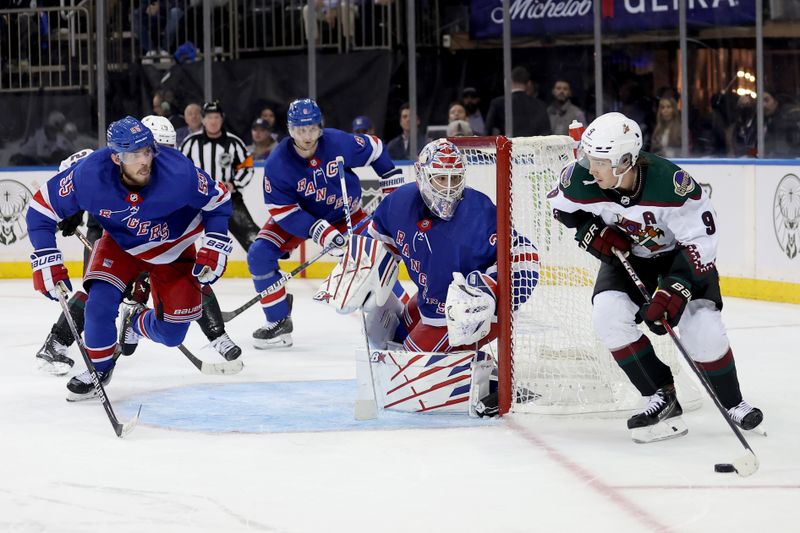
(488, 406)
(668, 302)
(48, 269)
(212, 258)
(70, 224)
(329, 237)
(469, 308)
(391, 181)
(598, 239)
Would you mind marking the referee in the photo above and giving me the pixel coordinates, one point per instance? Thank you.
(223, 156)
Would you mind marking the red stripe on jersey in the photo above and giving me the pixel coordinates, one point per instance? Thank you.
(275, 211)
(161, 248)
(39, 199)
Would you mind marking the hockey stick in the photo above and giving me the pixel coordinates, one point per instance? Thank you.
(120, 429)
(748, 463)
(363, 409)
(226, 367)
(227, 316)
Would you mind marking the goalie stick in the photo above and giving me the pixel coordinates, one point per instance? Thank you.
(748, 463)
(120, 429)
(227, 367)
(364, 409)
(227, 316)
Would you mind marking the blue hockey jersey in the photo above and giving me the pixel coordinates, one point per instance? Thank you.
(300, 191)
(155, 224)
(432, 248)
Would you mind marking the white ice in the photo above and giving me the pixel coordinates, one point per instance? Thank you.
(63, 469)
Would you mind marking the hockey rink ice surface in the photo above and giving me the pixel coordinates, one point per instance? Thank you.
(275, 448)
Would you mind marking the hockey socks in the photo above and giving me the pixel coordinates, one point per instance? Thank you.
(145, 324)
(644, 369)
(721, 374)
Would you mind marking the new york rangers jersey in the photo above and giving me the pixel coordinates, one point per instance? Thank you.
(300, 191)
(432, 248)
(155, 224)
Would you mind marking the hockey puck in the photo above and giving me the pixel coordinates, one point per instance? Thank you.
(724, 467)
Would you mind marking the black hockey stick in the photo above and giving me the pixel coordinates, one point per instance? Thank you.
(227, 316)
(226, 367)
(364, 409)
(748, 463)
(120, 429)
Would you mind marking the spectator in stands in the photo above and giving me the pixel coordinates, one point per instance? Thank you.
(47, 145)
(742, 133)
(362, 124)
(263, 143)
(562, 111)
(781, 126)
(268, 114)
(331, 10)
(399, 146)
(472, 102)
(456, 111)
(666, 140)
(150, 20)
(193, 115)
(164, 106)
(530, 113)
(459, 128)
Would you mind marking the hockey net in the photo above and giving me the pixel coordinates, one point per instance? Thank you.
(550, 361)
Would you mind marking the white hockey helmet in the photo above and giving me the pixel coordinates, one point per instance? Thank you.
(440, 171)
(612, 136)
(74, 158)
(162, 128)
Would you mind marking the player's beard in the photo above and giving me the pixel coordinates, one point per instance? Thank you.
(139, 178)
(306, 152)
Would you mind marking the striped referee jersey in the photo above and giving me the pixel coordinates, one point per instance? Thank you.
(224, 158)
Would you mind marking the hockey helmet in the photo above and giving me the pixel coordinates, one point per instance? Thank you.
(440, 172)
(128, 135)
(612, 136)
(304, 112)
(162, 128)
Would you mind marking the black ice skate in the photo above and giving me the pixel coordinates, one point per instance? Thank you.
(746, 416)
(128, 339)
(275, 335)
(81, 387)
(52, 357)
(660, 420)
(226, 347)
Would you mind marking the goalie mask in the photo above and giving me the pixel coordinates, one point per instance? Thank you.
(613, 137)
(440, 172)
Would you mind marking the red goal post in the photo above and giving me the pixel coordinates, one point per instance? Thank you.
(549, 359)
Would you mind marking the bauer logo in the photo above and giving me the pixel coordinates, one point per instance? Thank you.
(786, 214)
(14, 198)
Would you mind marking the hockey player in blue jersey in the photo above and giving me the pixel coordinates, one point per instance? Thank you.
(153, 204)
(446, 235)
(304, 200)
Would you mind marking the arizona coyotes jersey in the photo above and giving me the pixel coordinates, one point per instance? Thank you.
(155, 224)
(668, 209)
(300, 191)
(431, 248)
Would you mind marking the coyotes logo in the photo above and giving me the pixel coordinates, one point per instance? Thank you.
(643, 235)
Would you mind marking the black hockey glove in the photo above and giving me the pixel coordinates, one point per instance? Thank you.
(488, 406)
(70, 224)
(598, 239)
(668, 302)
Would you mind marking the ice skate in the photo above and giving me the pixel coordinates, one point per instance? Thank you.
(747, 417)
(660, 420)
(128, 339)
(226, 347)
(274, 335)
(81, 387)
(52, 357)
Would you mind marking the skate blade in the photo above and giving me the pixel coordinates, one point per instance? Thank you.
(670, 428)
(53, 367)
(281, 341)
(760, 429)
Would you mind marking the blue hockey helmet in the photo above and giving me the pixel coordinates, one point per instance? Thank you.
(129, 135)
(304, 112)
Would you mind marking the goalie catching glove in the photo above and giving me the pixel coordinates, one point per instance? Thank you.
(212, 258)
(329, 237)
(363, 278)
(470, 308)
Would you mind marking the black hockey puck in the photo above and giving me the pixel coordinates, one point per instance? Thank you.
(724, 467)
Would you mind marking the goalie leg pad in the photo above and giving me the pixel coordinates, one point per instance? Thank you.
(364, 278)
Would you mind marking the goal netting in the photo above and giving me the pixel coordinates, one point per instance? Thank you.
(551, 362)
